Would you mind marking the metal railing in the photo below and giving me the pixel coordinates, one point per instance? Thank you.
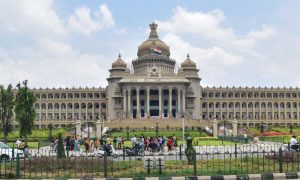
(208, 160)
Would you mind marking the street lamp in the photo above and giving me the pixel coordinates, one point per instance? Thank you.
(156, 130)
(182, 116)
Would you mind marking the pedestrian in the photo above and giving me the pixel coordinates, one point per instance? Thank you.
(76, 147)
(115, 141)
(142, 145)
(163, 142)
(119, 142)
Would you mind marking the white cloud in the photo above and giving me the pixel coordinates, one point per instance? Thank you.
(30, 17)
(83, 22)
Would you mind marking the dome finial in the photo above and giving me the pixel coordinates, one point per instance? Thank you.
(188, 55)
(119, 55)
(153, 32)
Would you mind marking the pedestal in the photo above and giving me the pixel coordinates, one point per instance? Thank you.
(215, 128)
(78, 128)
(234, 128)
(98, 129)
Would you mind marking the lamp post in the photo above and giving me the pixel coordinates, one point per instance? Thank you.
(156, 130)
(182, 116)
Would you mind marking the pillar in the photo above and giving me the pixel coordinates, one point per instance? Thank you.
(178, 103)
(129, 103)
(234, 128)
(124, 105)
(78, 128)
(215, 128)
(170, 103)
(98, 129)
(160, 101)
(183, 101)
(138, 113)
(148, 101)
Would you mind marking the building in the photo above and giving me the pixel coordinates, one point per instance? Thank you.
(154, 88)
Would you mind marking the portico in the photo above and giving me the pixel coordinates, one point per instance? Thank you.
(158, 100)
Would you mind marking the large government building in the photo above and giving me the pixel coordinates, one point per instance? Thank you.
(154, 88)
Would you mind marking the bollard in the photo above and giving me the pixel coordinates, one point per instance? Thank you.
(105, 165)
(280, 159)
(13, 154)
(18, 166)
(195, 163)
(123, 153)
(180, 155)
(148, 166)
(159, 166)
(235, 150)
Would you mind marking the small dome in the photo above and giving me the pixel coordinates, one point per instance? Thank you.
(153, 45)
(188, 63)
(119, 63)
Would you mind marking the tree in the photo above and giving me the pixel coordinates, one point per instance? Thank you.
(6, 109)
(25, 112)
(60, 147)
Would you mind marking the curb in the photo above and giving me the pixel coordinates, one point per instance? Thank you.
(264, 176)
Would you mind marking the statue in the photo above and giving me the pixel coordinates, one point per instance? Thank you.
(153, 32)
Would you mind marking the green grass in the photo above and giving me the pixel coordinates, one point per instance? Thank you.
(30, 145)
(178, 134)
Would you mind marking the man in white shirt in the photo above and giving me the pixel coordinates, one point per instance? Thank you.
(18, 143)
(294, 143)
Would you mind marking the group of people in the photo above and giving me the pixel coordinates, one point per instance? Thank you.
(153, 144)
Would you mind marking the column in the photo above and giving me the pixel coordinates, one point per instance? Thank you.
(178, 103)
(159, 100)
(234, 127)
(124, 104)
(129, 103)
(73, 112)
(138, 113)
(215, 128)
(40, 116)
(170, 103)
(79, 108)
(148, 101)
(183, 101)
(98, 129)
(78, 128)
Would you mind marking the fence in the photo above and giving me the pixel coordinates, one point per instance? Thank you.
(208, 160)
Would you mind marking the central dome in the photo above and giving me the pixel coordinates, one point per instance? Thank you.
(153, 45)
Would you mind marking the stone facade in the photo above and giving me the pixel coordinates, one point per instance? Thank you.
(154, 89)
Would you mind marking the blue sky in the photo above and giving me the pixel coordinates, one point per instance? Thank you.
(55, 43)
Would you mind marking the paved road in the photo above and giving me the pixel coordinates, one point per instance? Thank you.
(203, 152)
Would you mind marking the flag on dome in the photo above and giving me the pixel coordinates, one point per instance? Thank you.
(156, 50)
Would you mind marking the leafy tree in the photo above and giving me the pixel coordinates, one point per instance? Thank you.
(60, 147)
(6, 109)
(25, 112)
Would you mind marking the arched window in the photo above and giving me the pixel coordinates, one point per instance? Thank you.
(63, 106)
(96, 105)
(50, 106)
(37, 106)
(56, 106)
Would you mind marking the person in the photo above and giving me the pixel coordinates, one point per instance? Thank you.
(133, 140)
(163, 142)
(294, 143)
(142, 145)
(119, 142)
(18, 142)
(115, 140)
(76, 146)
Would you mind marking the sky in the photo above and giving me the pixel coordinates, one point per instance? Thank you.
(72, 43)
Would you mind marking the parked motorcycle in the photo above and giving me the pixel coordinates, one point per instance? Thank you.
(134, 151)
(109, 150)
